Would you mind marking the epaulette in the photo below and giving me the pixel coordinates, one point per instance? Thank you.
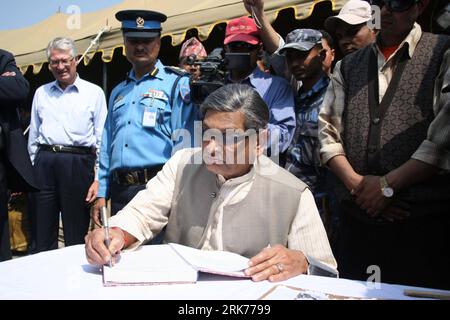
(176, 70)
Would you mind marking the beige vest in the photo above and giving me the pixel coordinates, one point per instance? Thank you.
(264, 216)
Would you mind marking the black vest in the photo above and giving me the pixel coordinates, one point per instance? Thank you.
(380, 137)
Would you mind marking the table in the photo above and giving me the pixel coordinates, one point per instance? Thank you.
(64, 274)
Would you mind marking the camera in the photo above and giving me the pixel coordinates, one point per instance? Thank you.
(214, 71)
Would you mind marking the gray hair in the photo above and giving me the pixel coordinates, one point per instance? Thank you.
(239, 97)
(61, 43)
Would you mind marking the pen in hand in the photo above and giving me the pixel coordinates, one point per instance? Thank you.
(106, 228)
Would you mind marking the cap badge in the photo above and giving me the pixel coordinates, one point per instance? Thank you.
(140, 22)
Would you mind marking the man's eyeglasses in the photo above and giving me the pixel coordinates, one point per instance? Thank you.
(227, 137)
(395, 5)
(64, 62)
(240, 46)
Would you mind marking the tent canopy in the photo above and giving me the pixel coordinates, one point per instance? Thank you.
(28, 44)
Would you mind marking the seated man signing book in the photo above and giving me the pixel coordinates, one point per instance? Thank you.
(227, 196)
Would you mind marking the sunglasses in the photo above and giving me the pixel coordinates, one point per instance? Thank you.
(227, 137)
(395, 5)
(235, 46)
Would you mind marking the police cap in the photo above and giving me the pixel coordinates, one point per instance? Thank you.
(141, 23)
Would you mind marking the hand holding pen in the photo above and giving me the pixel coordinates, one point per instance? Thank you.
(103, 245)
(106, 229)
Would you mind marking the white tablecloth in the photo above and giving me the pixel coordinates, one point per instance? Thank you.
(65, 274)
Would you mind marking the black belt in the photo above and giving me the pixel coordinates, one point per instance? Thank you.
(67, 149)
(135, 177)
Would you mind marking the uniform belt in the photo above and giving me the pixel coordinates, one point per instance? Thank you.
(67, 149)
(135, 177)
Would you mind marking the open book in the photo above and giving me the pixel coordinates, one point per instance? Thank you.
(171, 263)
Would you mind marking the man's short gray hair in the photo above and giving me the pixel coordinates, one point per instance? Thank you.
(61, 43)
(239, 97)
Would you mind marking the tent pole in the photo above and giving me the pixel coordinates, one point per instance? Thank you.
(105, 77)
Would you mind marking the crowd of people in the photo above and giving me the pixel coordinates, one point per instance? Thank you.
(305, 165)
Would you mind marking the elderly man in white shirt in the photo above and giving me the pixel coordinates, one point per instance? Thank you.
(67, 120)
(227, 196)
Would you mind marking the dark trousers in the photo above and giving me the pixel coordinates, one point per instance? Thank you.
(121, 195)
(5, 246)
(413, 252)
(65, 179)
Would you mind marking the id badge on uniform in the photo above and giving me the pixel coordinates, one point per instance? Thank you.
(149, 119)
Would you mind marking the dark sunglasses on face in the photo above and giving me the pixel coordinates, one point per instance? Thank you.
(395, 5)
(226, 137)
(137, 41)
(234, 46)
(348, 30)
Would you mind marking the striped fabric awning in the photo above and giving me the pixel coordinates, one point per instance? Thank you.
(28, 44)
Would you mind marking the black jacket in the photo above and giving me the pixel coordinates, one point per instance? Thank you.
(14, 153)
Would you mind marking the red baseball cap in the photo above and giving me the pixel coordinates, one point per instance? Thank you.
(242, 29)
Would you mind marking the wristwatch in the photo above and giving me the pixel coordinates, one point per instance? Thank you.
(387, 191)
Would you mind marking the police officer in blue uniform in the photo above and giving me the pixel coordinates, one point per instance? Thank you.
(144, 111)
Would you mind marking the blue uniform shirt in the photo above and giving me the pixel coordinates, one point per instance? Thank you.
(279, 97)
(128, 142)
